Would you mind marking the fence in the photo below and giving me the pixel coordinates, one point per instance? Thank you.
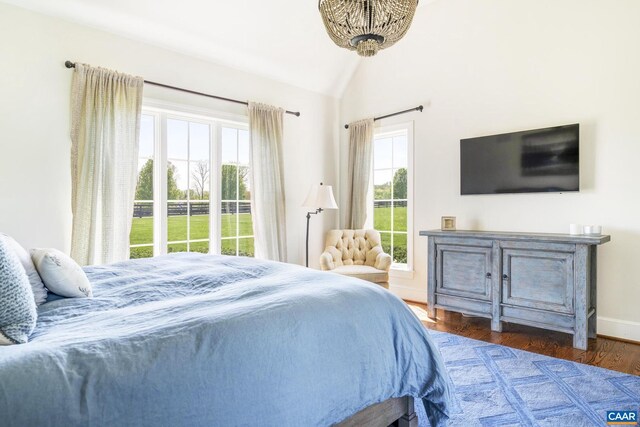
(145, 209)
(387, 203)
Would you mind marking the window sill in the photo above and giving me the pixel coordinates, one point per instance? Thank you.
(401, 273)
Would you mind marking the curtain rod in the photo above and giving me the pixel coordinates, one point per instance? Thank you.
(418, 108)
(70, 64)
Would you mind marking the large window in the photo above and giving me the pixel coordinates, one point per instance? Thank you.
(203, 169)
(392, 192)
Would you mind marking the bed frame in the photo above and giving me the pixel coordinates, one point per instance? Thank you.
(397, 411)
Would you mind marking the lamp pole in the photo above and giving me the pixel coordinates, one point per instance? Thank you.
(308, 218)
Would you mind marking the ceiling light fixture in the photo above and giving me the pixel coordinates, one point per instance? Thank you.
(367, 26)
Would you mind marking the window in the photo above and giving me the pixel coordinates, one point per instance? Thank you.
(141, 237)
(392, 192)
(188, 167)
(191, 165)
(235, 207)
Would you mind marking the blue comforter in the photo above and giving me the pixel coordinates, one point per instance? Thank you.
(198, 340)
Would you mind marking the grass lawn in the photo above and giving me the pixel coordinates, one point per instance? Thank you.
(382, 218)
(142, 232)
(382, 221)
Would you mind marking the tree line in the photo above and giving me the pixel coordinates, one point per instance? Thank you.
(233, 182)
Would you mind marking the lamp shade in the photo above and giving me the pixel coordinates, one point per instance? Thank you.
(320, 196)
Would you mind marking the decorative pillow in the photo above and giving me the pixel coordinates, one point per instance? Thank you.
(61, 274)
(17, 307)
(39, 291)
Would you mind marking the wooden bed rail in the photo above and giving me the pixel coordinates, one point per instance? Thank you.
(397, 411)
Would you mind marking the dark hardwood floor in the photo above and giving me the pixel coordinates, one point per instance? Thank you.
(604, 352)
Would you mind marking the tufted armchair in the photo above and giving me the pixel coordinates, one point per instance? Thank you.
(356, 253)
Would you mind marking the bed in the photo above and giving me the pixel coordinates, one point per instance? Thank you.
(202, 340)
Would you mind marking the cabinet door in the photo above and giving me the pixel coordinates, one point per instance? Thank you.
(538, 278)
(464, 271)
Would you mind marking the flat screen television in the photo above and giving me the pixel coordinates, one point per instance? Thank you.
(532, 161)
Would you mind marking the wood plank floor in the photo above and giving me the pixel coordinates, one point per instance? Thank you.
(604, 352)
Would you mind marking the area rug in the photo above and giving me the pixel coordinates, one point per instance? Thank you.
(500, 386)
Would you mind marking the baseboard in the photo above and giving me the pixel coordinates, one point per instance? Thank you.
(407, 293)
(617, 328)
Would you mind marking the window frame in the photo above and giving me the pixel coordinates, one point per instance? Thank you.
(397, 270)
(163, 111)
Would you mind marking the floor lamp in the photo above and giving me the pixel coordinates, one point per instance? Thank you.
(320, 198)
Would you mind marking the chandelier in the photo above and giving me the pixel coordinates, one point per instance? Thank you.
(367, 26)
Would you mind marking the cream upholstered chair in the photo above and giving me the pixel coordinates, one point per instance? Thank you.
(356, 253)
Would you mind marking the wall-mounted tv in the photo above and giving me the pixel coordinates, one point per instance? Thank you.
(533, 161)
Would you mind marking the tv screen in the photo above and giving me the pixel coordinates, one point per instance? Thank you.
(533, 161)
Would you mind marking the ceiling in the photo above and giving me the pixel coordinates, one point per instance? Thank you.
(284, 40)
(280, 39)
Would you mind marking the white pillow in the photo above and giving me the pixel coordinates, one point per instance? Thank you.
(61, 274)
(39, 291)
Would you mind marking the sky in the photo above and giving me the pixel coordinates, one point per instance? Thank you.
(389, 154)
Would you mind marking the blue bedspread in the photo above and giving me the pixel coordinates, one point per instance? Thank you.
(198, 340)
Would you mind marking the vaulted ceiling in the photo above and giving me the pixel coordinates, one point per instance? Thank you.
(281, 39)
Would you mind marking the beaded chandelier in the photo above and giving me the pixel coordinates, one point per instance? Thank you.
(367, 26)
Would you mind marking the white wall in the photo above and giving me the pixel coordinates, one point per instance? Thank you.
(35, 184)
(483, 67)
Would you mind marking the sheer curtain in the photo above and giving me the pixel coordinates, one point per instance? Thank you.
(105, 121)
(359, 171)
(267, 182)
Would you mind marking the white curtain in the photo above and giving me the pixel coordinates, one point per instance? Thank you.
(105, 121)
(359, 171)
(267, 182)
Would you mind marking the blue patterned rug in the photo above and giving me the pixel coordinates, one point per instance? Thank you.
(500, 386)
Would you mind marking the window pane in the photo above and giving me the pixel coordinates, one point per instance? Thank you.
(244, 218)
(177, 180)
(243, 147)
(147, 133)
(382, 184)
(400, 157)
(382, 216)
(199, 221)
(199, 180)
(399, 254)
(141, 252)
(400, 216)
(229, 182)
(382, 153)
(177, 221)
(142, 224)
(229, 146)
(199, 140)
(245, 247)
(177, 247)
(229, 246)
(177, 139)
(202, 247)
(243, 176)
(386, 242)
(400, 184)
(228, 220)
(144, 187)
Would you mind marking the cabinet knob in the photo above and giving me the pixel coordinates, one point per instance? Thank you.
(505, 277)
(488, 275)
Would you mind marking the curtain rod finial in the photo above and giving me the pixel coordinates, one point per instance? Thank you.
(69, 64)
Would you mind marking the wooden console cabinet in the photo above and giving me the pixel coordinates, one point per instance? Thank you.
(542, 280)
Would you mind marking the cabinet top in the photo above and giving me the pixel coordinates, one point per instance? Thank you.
(540, 237)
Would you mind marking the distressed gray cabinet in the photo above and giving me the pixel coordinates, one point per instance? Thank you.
(542, 280)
